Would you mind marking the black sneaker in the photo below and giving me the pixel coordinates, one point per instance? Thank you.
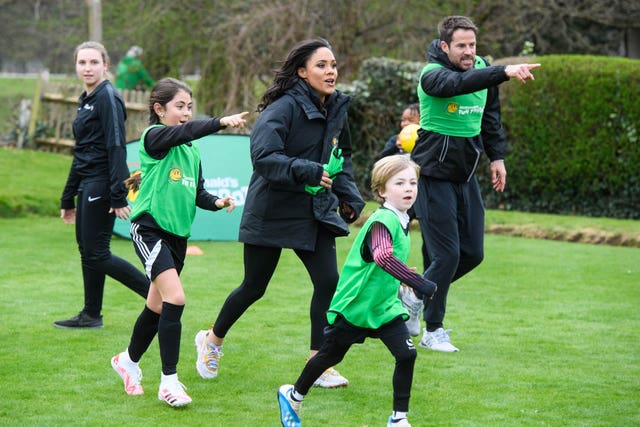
(82, 320)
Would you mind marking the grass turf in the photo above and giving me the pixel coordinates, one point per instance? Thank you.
(547, 332)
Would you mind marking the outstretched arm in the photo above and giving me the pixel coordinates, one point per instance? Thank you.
(521, 72)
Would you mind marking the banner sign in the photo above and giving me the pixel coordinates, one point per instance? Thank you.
(226, 169)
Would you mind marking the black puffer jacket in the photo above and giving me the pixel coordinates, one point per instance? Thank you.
(456, 158)
(290, 142)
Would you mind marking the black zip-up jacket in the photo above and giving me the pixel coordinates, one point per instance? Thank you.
(453, 158)
(290, 142)
(100, 152)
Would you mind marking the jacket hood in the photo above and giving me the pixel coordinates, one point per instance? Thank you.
(437, 55)
(309, 100)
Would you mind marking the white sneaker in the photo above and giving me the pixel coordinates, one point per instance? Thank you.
(331, 379)
(399, 423)
(438, 340)
(289, 408)
(208, 357)
(174, 393)
(414, 306)
(130, 374)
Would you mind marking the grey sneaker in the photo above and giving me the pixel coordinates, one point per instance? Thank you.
(414, 306)
(438, 340)
(82, 320)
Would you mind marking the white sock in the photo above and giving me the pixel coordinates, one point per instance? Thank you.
(125, 359)
(165, 379)
(297, 396)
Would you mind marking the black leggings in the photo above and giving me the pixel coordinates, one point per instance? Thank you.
(94, 227)
(339, 339)
(260, 263)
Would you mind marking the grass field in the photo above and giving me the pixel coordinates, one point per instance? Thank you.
(548, 333)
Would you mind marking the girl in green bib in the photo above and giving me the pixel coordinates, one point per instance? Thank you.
(171, 186)
(366, 302)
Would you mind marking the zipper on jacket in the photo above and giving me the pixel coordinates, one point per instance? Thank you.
(445, 148)
(475, 164)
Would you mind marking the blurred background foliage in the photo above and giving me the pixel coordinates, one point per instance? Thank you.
(573, 133)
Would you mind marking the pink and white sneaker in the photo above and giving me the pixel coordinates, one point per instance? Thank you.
(174, 393)
(130, 374)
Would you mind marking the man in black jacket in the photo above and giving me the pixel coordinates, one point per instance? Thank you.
(459, 119)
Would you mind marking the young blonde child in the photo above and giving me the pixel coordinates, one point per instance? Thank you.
(366, 302)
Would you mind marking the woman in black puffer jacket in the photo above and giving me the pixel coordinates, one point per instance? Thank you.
(301, 196)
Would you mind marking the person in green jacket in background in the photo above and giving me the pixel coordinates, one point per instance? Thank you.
(131, 74)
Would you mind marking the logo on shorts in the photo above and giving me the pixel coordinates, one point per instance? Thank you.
(452, 107)
(410, 344)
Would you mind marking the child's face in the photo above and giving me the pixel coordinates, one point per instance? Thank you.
(401, 189)
(409, 117)
(177, 111)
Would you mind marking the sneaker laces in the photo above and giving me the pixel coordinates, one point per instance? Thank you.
(413, 307)
(442, 335)
(212, 357)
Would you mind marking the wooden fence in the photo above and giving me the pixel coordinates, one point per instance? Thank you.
(54, 109)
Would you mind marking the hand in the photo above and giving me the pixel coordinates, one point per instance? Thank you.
(521, 71)
(122, 213)
(347, 212)
(326, 180)
(235, 121)
(498, 175)
(224, 202)
(68, 216)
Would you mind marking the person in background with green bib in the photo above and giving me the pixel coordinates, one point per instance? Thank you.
(366, 302)
(171, 186)
(459, 120)
(131, 74)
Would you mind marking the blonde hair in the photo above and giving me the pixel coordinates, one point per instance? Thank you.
(92, 45)
(387, 167)
(100, 48)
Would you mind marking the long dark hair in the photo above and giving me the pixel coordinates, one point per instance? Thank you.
(287, 75)
(163, 92)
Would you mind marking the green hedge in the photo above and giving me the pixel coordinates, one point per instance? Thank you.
(572, 133)
(573, 138)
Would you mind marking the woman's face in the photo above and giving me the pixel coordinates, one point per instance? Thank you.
(321, 72)
(90, 68)
(177, 111)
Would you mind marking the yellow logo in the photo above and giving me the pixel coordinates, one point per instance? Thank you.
(175, 174)
(452, 107)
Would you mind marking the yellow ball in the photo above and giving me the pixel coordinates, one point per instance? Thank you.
(408, 136)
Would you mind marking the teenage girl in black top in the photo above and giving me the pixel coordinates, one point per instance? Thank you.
(97, 176)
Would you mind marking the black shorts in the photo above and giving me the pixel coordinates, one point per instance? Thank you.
(158, 250)
(347, 334)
